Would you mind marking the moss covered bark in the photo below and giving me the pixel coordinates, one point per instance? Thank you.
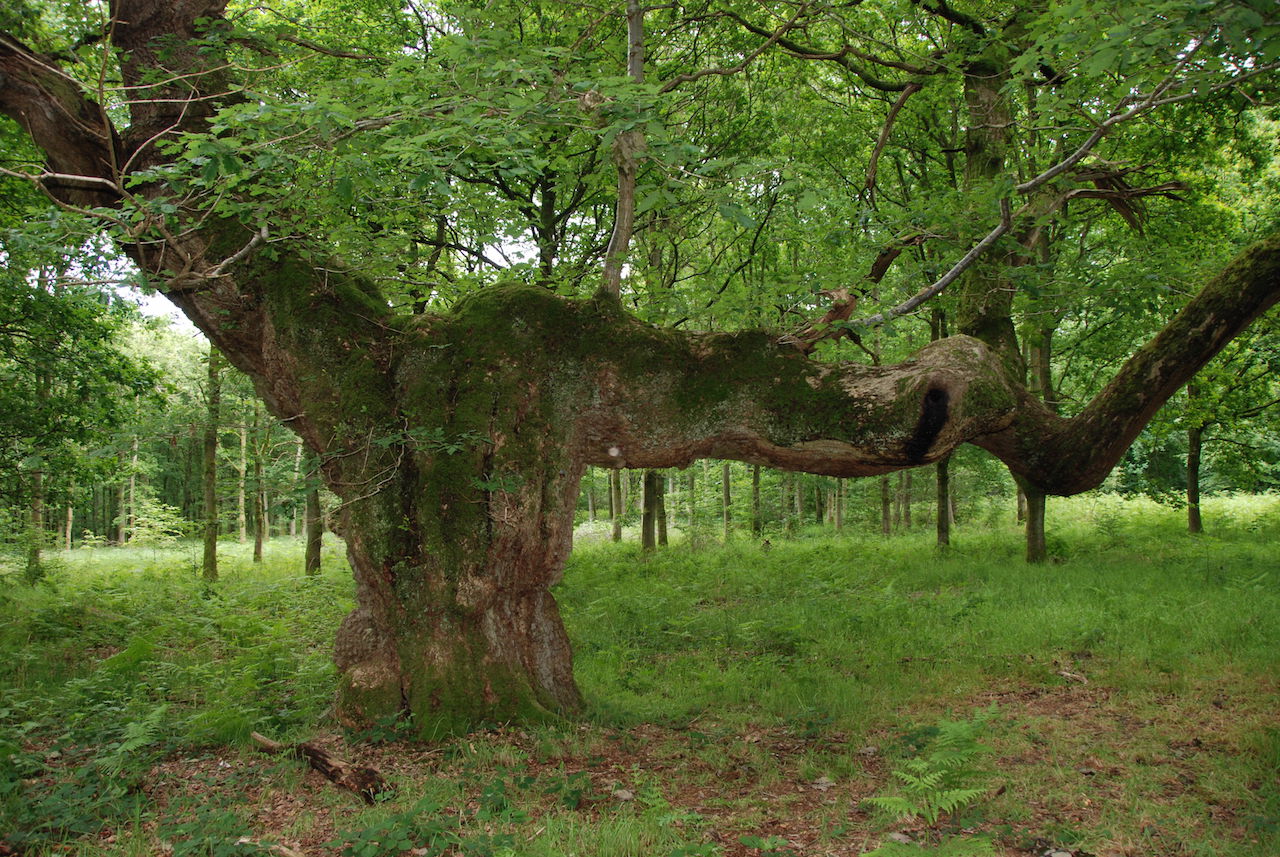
(457, 444)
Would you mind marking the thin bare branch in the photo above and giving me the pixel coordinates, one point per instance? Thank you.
(912, 89)
(1005, 224)
(747, 60)
(840, 57)
(329, 52)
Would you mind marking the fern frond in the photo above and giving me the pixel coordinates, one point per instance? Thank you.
(137, 734)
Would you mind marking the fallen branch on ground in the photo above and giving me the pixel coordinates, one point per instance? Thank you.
(366, 782)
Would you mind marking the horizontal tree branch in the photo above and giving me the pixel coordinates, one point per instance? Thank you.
(839, 57)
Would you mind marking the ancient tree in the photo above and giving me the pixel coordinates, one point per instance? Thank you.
(456, 440)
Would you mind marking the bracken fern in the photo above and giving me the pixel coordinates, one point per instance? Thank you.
(939, 782)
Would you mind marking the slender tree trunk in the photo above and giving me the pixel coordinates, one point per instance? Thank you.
(210, 478)
(944, 501)
(1194, 445)
(591, 494)
(1195, 441)
(192, 472)
(133, 485)
(839, 505)
(757, 523)
(693, 499)
(897, 501)
(662, 513)
(1036, 549)
(1021, 514)
(242, 506)
(886, 506)
(984, 293)
(297, 487)
(627, 147)
(1033, 503)
(122, 504)
(615, 503)
(35, 539)
(71, 511)
(259, 491)
(906, 499)
(649, 518)
(725, 498)
(314, 524)
(784, 502)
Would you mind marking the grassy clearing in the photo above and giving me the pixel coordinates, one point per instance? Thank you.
(742, 701)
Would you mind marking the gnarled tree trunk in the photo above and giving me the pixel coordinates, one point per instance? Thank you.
(456, 443)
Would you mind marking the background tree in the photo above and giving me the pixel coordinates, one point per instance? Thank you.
(66, 382)
(213, 392)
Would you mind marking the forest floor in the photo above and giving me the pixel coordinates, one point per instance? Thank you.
(742, 701)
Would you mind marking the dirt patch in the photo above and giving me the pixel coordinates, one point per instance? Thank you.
(1086, 768)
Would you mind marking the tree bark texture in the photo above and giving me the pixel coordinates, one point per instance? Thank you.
(1037, 550)
(615, 503)
(985, 292)
(454, 551)
(314, 525)
(662, 512)
(649, 518)
(757, 523)
(838, 517)
(1195, 442)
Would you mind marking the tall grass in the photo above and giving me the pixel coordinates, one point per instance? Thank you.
(847, 629)
(121, 631)
(124, 657)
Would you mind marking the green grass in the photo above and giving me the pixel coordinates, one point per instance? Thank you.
(848, 630)
(741, 701)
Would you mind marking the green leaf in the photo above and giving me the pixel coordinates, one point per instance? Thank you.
(345, 190)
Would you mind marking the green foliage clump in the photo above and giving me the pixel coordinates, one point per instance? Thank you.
(213, 831)
(422, 827)
(126, 655)
(939, 781)
(960, 846)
